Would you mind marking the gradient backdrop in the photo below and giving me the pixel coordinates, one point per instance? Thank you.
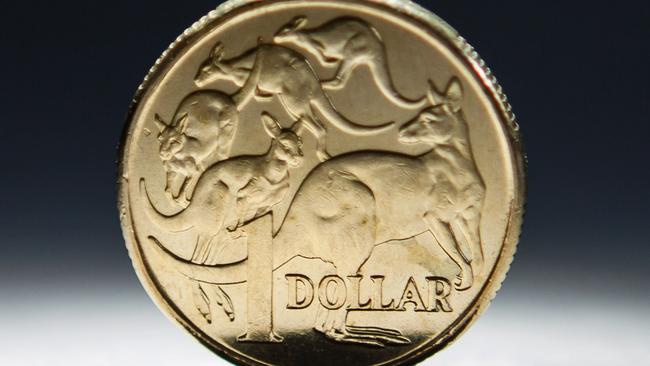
(576, 72)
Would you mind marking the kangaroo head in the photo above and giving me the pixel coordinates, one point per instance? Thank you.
(213, 67)
(171, 138)
(290, 32)
(439, 123)
(286, 145)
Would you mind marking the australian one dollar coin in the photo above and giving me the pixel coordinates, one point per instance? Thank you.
(321, 182)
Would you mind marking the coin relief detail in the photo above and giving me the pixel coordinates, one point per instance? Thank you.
(262, 210)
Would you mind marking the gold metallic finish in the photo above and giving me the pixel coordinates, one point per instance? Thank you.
(321, 182)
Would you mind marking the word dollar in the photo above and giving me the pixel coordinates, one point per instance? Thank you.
(333, 293)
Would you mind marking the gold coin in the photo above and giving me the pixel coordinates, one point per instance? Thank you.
(321, 182)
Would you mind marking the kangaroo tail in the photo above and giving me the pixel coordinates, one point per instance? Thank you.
(384, 81)
(324, 105)
(163, 222)
(222, 274)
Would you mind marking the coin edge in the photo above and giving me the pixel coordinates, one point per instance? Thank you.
(465, 53)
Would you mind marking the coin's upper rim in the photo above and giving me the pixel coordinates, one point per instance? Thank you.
(465, 54)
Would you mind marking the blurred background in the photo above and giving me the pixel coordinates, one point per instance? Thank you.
(577, 74)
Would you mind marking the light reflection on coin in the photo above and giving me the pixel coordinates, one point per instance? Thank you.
(319, 182)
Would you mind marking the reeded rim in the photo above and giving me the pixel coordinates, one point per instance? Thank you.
(463, 52)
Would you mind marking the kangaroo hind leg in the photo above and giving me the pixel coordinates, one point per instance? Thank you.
(318, 129)
(202, 301)
(343, 73)
(443, 235)
(470, 221)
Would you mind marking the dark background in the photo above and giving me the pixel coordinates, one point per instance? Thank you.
(576, 72)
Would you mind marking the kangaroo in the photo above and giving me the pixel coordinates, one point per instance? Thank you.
(347, 43)
(201, 132)
(354, 202)
(270, 70)
(235, 191)
(230, 194)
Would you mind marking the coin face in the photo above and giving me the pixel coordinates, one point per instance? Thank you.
(321, 182)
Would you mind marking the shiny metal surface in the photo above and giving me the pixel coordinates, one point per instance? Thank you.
(321, 182)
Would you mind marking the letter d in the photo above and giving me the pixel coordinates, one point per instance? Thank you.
(299, 300)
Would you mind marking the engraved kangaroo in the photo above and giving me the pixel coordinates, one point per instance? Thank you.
(201, 133)
(270, 70)
(354, 202)
(348, 43)
(235, 191)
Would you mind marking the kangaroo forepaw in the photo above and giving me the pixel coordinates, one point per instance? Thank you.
(236, 233)
(463, 281)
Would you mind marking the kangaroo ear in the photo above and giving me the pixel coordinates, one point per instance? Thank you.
(454, 94)
(182, 124)
(298, 23)
(271, 126)
(217, 52)
(159, 123)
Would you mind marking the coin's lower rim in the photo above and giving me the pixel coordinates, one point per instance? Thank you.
(461, 50)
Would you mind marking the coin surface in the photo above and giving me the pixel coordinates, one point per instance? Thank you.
(321, 182)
